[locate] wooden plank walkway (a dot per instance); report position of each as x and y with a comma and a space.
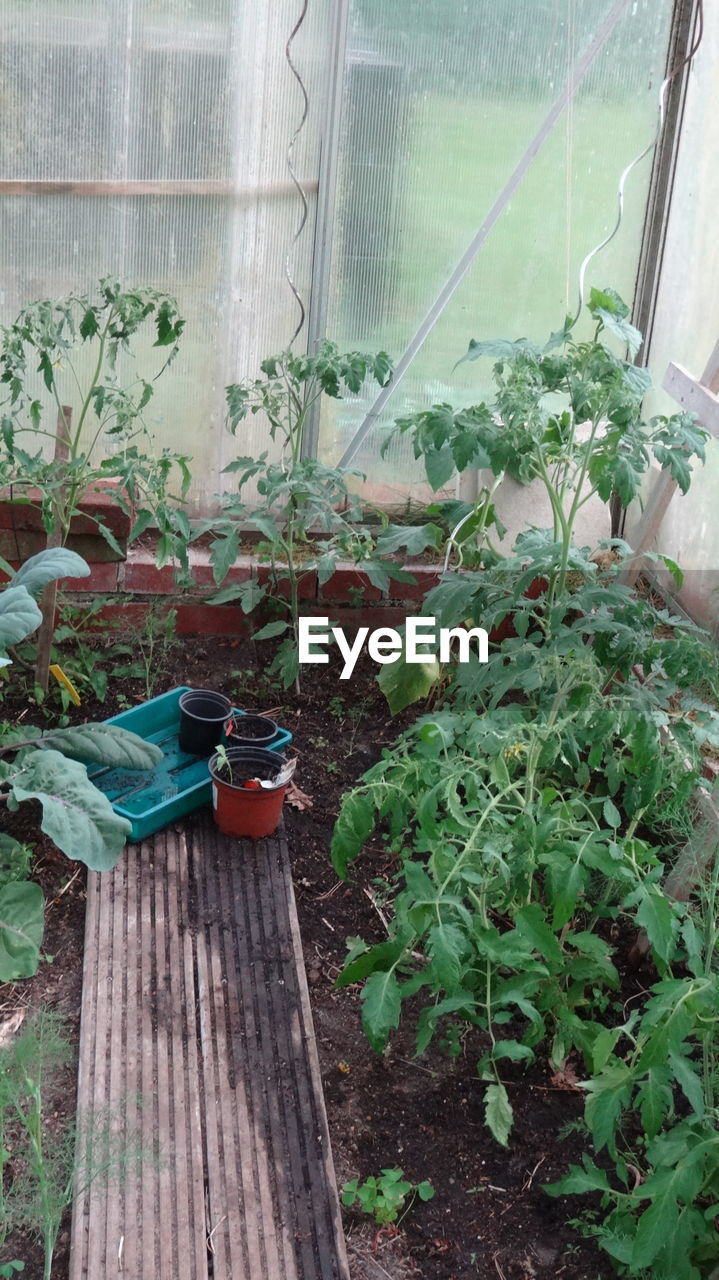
197, 1041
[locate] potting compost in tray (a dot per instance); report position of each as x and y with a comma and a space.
150, 799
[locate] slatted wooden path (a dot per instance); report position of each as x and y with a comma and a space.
197, 1040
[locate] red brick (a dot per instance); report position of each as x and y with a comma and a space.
26, 515
307, 584
345, 581
350, 619
103, 578
214, 620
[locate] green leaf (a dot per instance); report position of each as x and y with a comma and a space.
658, 1223
424, 1190
19, 616
689, 1082
656, 917
381, 1003
223, 555
612, 816
22, 921
48, 566
447, 945
654, 1098
498, 1114
579, 1181
271, 629
413, 538
403, 683
353, 827
77, 816
106, 744
531, 923
440, 466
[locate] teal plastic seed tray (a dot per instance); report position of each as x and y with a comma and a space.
152, 798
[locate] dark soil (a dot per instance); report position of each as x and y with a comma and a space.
489, 1217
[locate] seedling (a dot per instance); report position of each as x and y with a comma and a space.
383, 1198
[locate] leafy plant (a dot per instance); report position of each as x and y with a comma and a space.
67, 337
48, 765
152, 644
306, 515
52, 1164
383, 1197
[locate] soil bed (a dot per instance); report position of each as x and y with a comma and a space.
489, 1217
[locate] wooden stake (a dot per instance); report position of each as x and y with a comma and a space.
48, 600
695, 397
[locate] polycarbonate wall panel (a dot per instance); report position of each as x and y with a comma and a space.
197, 95
441, 101
686, 326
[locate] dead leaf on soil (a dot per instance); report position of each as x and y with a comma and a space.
298, 799
565, 1078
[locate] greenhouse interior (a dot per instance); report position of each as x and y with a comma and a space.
359, 606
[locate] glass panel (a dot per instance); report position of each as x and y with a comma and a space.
165, 92
686, 325
441, 101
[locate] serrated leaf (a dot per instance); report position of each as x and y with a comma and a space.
656, 917
498, 1114
78, 817
689, 1082
531, 923
48, 566
414, 539
353, 827
381, 1003
447, 945
19, 616
223, 554
654, 1098
106, 744
578, 1181
270, 630
22, 923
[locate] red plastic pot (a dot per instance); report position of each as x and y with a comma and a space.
238, 810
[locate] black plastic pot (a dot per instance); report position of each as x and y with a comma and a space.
203, 716
251, 731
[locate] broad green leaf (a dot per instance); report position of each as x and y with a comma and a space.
654, 1098
440, 467
48, 566
414, 539
353, 827
531, 923
669, 1188
612, 816
19, 616
381, 1002
22, 921
689, 1082
77, 816
513, 1050
106, 744
382, 956
270, 630
403, 683
578, 1181
223, 555
447, 945
656, 917
498, 1114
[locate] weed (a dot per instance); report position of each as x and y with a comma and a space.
383, 1197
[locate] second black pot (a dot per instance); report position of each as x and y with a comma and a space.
203, 716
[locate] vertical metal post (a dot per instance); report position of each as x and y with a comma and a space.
686, 13
326, 200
